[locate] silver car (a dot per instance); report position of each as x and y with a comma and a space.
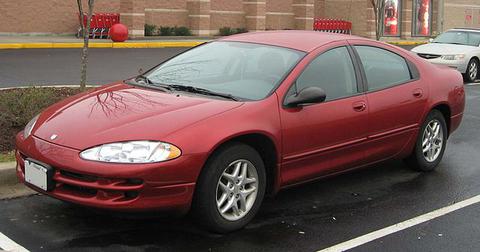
457, 48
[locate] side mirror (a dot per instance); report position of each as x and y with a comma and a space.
306, 96
430, 40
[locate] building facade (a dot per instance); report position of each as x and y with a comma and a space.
401, 19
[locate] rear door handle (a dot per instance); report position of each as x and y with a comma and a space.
359, 106
418, 93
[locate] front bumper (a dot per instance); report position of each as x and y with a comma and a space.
460, 65
159, 186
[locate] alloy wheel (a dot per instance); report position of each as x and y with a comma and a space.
432, 140
237, 190
473, 70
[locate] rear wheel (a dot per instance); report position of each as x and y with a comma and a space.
431, 143
230, 189
472, 70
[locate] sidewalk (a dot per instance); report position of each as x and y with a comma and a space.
33, 42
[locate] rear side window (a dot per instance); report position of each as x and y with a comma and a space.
333, 72
382, 67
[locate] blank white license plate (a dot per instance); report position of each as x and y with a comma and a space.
36, 175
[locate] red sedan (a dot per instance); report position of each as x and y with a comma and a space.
219, 126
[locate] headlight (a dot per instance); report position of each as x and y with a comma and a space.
28, 129
453, 57
138, 152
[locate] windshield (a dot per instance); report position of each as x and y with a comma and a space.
244, 70
459, 37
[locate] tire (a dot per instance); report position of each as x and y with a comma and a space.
209, 191
472, 71
429, 160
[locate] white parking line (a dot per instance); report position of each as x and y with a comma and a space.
473, 84
401, 226
8, 245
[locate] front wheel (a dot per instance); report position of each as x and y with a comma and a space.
431, 143
472, 71
230, 189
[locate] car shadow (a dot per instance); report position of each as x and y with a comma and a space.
320, 200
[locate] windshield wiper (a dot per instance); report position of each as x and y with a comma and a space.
203, 91
144, 81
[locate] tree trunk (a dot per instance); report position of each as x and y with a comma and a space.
80, 17
378, 12
86, 33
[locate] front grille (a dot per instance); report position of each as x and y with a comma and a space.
428, 56
80, 191
83, 185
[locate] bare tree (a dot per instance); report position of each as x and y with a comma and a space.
85, 30
378, 10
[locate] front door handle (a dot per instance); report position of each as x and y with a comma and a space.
359, 106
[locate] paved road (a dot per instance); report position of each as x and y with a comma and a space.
305, 218
62, 66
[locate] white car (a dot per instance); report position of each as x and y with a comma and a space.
457, 48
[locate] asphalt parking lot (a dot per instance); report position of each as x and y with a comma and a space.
62, 66
310, 217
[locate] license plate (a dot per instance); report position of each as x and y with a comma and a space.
36, 174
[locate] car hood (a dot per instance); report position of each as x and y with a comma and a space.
442, 49
121, 112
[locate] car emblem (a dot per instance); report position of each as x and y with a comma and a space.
53, 137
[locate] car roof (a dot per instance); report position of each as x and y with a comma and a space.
305, 41
466, 29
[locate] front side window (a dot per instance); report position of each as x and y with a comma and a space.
474, 39
244, 70
459, 38
333, 72
382, 67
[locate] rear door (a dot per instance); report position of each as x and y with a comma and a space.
396, 98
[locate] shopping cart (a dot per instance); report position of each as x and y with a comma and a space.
332, 25
100, 24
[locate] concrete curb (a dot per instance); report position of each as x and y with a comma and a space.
7, 175
53, 45
7, 165
50, 86
406, 43
9, 186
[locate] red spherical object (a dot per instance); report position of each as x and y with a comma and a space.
118, 33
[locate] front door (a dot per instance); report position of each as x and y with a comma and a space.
325, 137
